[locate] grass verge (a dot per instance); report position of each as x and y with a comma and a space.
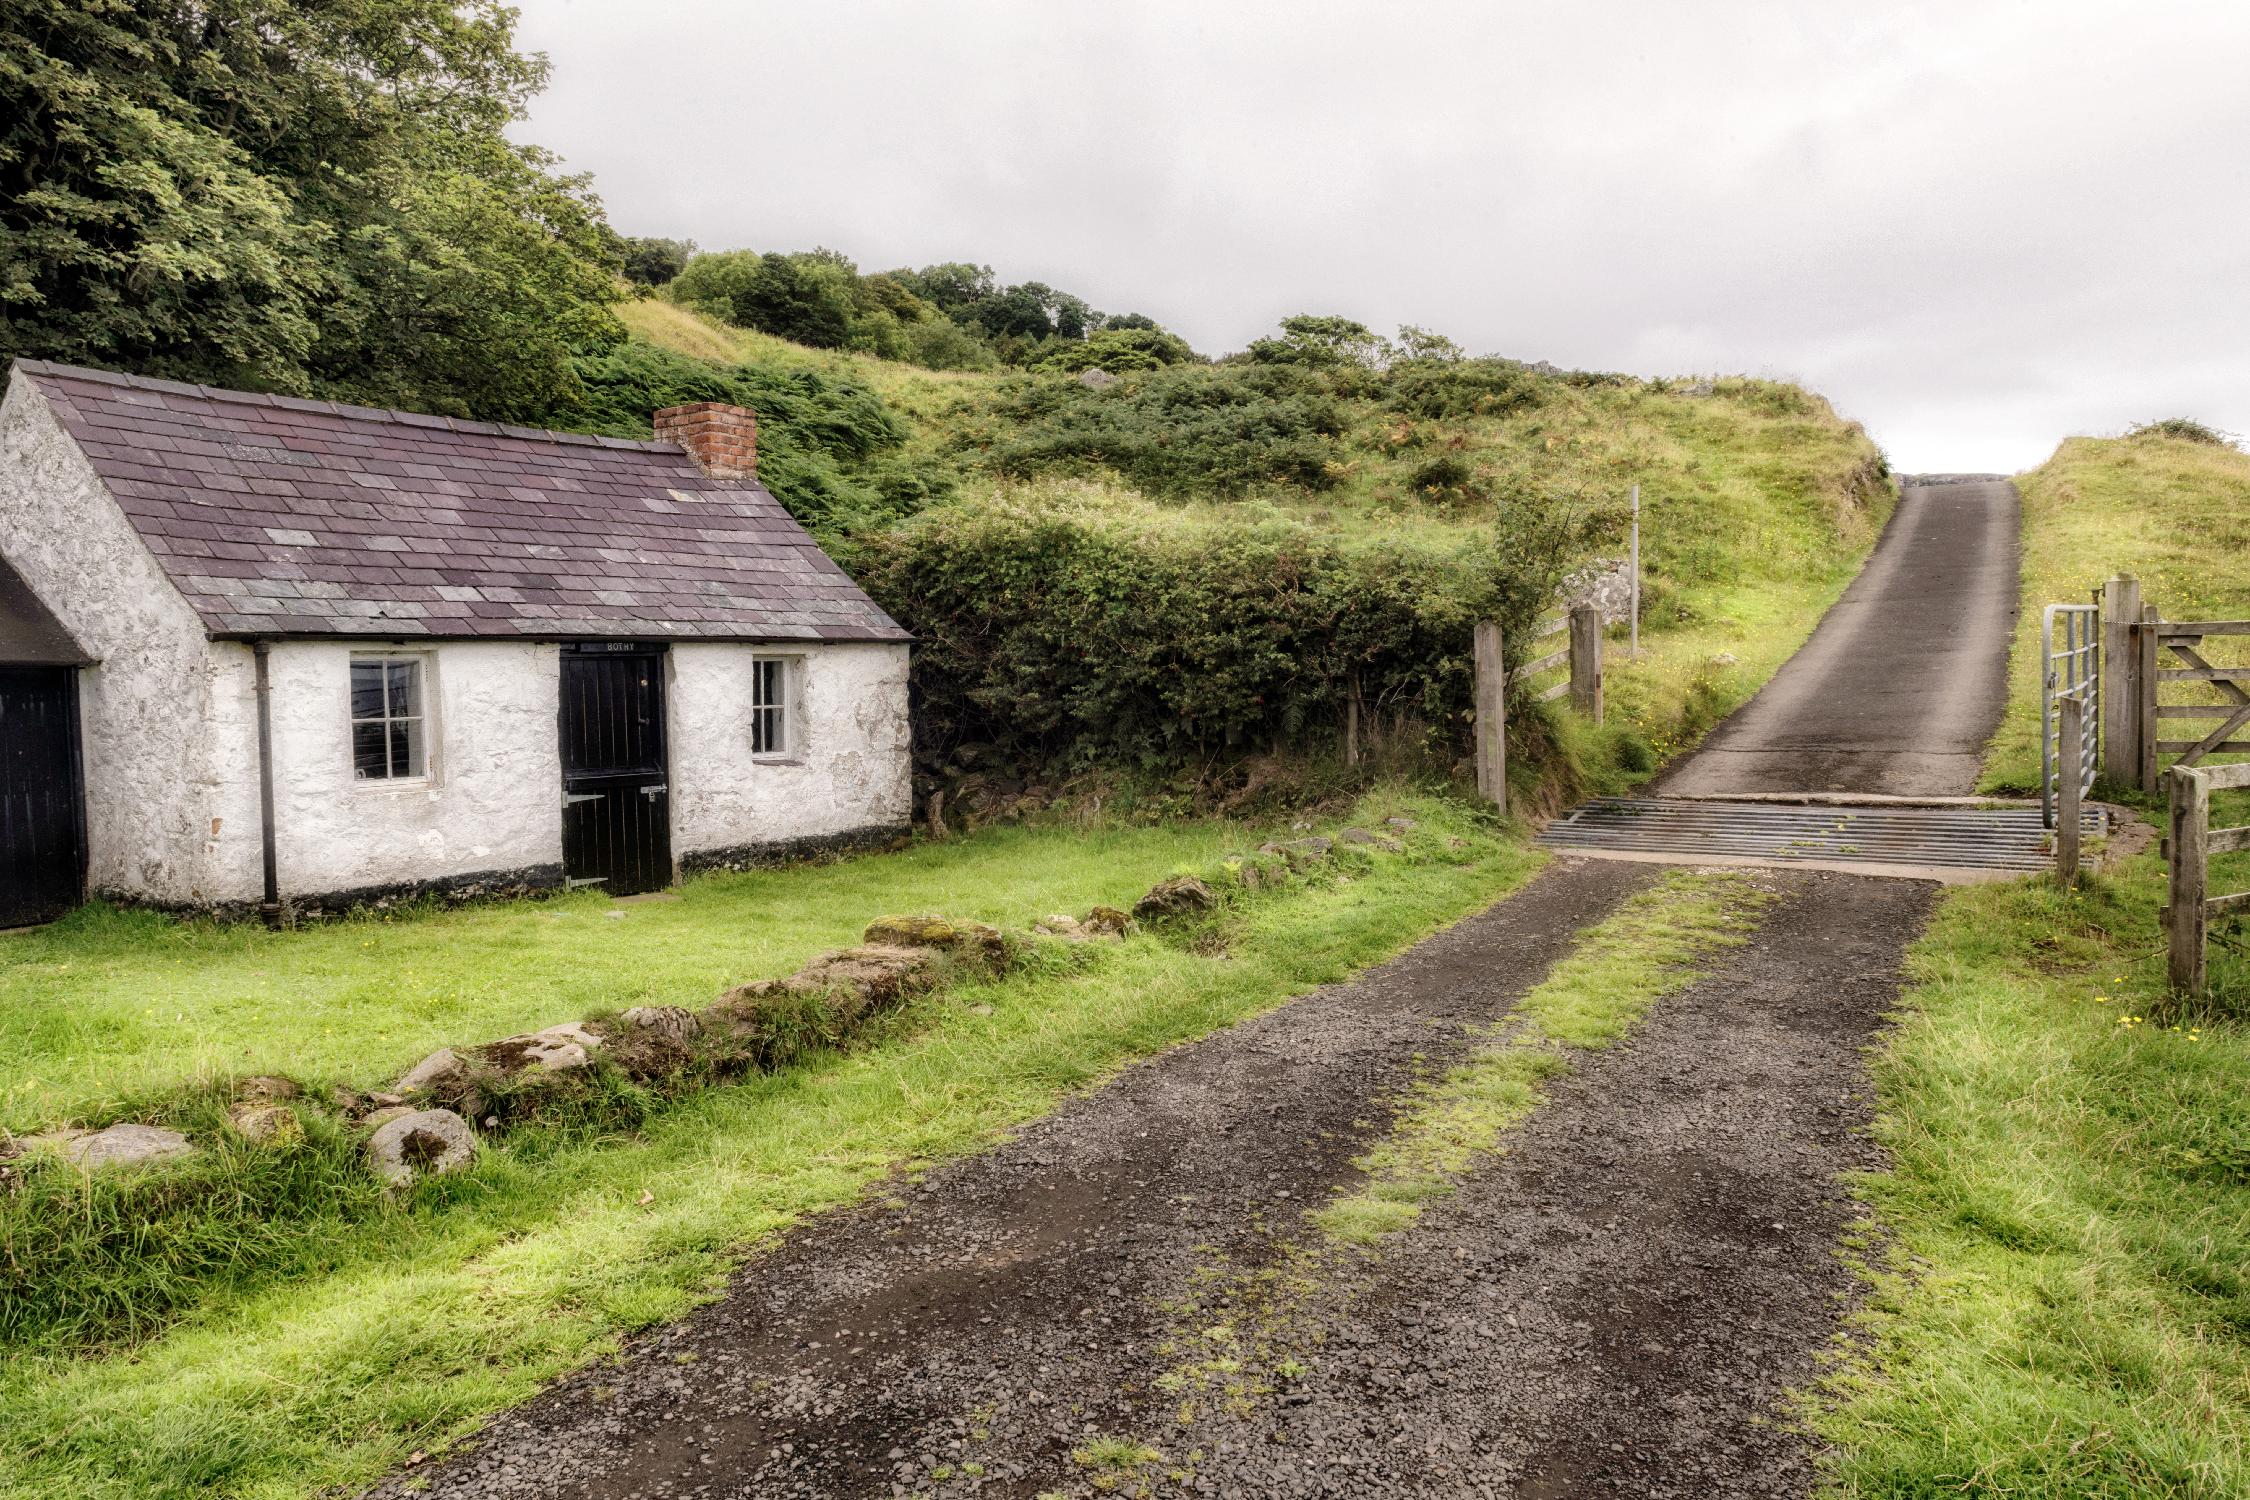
556, 1245
2060, 1304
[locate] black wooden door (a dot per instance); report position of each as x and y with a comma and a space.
42, 815
617, 816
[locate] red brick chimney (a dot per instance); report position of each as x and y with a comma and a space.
722, 439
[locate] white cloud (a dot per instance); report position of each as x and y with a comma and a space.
1977, 225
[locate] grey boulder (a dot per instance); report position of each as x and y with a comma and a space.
420, 1143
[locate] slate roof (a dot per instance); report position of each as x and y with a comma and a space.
286, 517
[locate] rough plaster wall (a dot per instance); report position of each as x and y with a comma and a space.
162, 823
492, 800
848, 767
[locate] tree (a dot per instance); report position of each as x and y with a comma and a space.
1322, 342
653, 262
294, 197
954, 288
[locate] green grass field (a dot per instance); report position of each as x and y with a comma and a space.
2061, 1282
109, 1008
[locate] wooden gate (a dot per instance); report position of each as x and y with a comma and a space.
42, 801
617, 815
2172, 652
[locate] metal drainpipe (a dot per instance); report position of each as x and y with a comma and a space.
272, 907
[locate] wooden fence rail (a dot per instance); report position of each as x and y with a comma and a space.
1582, 654
2190, 905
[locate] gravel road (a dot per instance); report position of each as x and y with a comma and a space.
1613, 1307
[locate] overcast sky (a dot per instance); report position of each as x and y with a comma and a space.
1977, 227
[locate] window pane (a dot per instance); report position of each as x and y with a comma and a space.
406, 688
370, 757
406, 747
367, 690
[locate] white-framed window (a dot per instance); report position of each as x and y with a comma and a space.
773, 731
390, 723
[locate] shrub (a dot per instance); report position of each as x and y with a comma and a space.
1460, 387
828, 449
1181, 432
1069, 638
2184, 429
1447, 481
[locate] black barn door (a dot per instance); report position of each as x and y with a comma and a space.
617, 818
42, 817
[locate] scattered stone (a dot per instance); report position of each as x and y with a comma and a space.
265, 1089
420, 1143
1725, 659
1253, 874
942, 933
578, 1032
1182, 895
126, 1145
1096, 378
555, 1050
1401, 824
266, 1124
441, 1070
1371, 840
1070, 929
676, 1022
1299, 851
387, 1114
1107, 921
859, 979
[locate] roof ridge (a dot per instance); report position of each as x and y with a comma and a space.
396, 415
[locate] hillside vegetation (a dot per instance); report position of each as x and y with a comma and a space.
2172, 510
1191, 566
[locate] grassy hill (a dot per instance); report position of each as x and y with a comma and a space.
1465, 476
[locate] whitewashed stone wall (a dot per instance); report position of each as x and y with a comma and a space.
847, 769
490, 804
165, 820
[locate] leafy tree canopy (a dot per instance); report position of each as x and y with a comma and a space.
653, 262
302, 197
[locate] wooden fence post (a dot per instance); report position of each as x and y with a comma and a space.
2144, 721
1351, 723
1492, 716
2184, 914
1586, 660
2121, 676
2071, 735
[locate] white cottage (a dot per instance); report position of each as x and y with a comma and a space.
257, 650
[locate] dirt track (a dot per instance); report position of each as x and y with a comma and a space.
1611, 1308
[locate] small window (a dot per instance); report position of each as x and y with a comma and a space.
389, 727
769, 706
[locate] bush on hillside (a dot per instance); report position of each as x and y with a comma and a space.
828, 449
2184, 429
1064, 638
1437, 388
1178, 433
1117, 350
